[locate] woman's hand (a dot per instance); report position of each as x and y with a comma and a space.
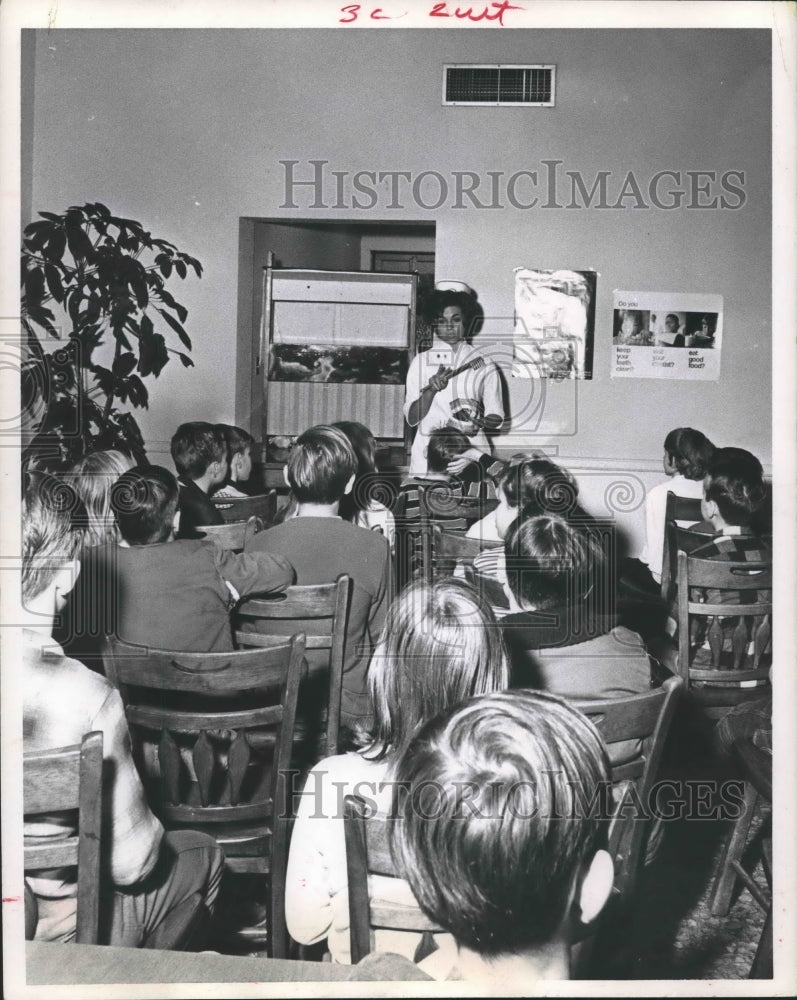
440, 379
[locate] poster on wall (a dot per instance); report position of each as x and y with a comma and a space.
666, 335
554, 323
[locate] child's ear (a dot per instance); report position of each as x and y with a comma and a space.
596, 887
176, 521
350, 485
66, 577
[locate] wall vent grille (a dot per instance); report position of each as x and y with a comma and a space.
500, 86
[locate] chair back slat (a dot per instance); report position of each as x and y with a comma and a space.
232, 536
320, 612
368, 852
203, 756
647, 718
238, 757
213, 735
682, 508
69, 779
194, 672
263, 506
169, 761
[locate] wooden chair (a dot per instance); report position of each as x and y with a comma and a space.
233, 536
646, 718
68, 779
441, 504
220, 726
733, 639
321, 613
450, 549
756, 766
676, 539
368, 852
263, 506
677, 509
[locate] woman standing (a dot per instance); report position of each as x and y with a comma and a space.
436, 396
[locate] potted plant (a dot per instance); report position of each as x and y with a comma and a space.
108, 276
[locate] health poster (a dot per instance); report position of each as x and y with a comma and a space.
666, 335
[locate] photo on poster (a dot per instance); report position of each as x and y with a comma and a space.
554, 323
666, 335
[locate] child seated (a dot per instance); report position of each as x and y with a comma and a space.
512, 887
559, 635
687, 453
158, 889
199, 453
734, 495
239, 450
439, 645
177, 594
525, 489
321, 546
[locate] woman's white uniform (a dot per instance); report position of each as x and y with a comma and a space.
482, 384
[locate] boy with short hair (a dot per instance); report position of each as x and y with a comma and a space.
178, 594
561, 635
239, 448
502, 805
199, 453
162, 886
321, 546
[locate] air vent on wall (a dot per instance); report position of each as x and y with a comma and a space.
508, 86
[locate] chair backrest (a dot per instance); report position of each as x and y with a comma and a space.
441, 504
221, 707
646, 718
450, 547
69, 778
233, 536
221, 727
682, 508
676, 538
725, 612
263, 506
321, 613
368, 852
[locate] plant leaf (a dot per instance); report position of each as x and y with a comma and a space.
54, 284
124, 364
178, 329
56, 245
187, 362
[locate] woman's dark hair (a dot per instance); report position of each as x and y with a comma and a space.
472, 312
690, 451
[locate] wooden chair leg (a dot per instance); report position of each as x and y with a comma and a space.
732, 852
762, 963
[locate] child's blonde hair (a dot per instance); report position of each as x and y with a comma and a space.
440, 644
92, 477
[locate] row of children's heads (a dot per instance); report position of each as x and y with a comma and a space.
733, 478
440, 658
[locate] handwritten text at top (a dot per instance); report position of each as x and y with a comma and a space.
488, 12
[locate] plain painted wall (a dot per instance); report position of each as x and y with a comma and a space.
184, 130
